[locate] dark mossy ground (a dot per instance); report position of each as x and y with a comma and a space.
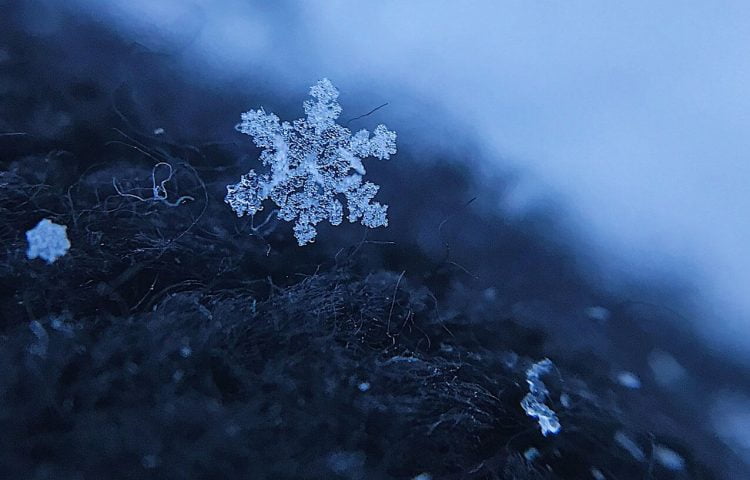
179, 342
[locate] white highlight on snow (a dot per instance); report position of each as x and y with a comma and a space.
629, 380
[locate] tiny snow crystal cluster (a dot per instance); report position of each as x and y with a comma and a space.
311, 162
533, 403
48, 241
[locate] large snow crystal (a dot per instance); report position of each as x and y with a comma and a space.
310, 163
533, 403
48, 241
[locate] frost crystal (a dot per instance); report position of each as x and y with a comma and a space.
48, 241
310, 163
533, 402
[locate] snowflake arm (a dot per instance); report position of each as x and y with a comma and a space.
383, 143
323, 112
246, 197
360, 204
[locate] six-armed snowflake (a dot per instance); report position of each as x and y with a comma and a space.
311, 162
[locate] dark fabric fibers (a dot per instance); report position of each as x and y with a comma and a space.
179, 342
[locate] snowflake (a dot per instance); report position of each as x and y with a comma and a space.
311, 163
48, 241
533, 402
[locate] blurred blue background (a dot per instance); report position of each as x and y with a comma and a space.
635, 115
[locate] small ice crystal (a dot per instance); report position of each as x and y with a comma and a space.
48, 241
533, 402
